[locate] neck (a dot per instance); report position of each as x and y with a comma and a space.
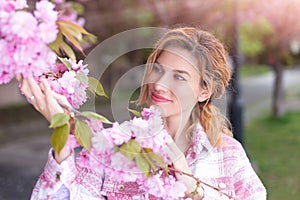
175, 125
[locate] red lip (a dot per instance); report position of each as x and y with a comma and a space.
158, 98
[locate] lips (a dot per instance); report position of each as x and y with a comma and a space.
158, 98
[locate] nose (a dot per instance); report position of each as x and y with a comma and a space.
162, 83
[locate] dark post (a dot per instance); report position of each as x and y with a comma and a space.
236, 104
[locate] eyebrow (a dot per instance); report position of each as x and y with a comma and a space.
177, 70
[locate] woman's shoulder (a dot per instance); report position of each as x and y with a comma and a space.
230, 142
232, 148
233, 153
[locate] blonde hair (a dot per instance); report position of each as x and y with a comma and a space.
214, 72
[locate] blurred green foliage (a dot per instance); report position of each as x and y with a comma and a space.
247, 70
252, 35
273, 143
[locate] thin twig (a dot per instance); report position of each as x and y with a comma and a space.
70, 109
202, 182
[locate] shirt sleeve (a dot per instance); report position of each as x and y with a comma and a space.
246, 182
68, 180
54, 177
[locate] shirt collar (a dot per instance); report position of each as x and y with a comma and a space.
200, 138
200, 145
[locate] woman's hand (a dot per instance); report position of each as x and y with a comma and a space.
42, 97
47, 102
180, 164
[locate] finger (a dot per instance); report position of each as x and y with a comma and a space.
45, 86
41, 85
37, 93
35, 88
19, 77
47, 90
25, 89
49, 96
27, 92
62, 100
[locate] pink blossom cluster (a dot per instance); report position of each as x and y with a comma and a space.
148, 131
72, 83
24, 37
68, 12
165, 187
71, 11
72, 142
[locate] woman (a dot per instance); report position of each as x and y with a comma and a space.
184, 74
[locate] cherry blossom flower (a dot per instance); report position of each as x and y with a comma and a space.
95, 125
24, 39
12, 5
118, 166
23, 25
102, 144
163, 186
20, 4
45, 12
68, 84
47, 32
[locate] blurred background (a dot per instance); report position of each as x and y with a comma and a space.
263, 101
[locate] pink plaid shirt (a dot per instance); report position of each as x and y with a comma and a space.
226, 167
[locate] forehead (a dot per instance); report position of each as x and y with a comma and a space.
178, 59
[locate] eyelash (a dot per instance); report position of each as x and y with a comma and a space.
158, 69
179, 77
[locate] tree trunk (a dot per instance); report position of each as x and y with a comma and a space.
278, 93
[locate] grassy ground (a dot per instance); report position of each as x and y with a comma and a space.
274, 144
253, 70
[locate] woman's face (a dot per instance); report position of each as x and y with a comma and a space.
174, 83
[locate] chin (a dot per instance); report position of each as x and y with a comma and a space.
160, 108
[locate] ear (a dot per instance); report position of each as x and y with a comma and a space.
204, 94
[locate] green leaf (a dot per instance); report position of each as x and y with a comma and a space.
65, 62
68, 50
143, 165
96, 87
95, 116
91, 39
60, 137
69, 24
56, 44
116, 149
149, 160
59, 119
155, 157
74, 32
77, 7
131, 149
67, 32
83, 134
82, 78
135, 112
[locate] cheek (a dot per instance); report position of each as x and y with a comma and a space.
152, 77
184, 93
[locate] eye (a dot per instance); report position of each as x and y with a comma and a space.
157, 68
179, 77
